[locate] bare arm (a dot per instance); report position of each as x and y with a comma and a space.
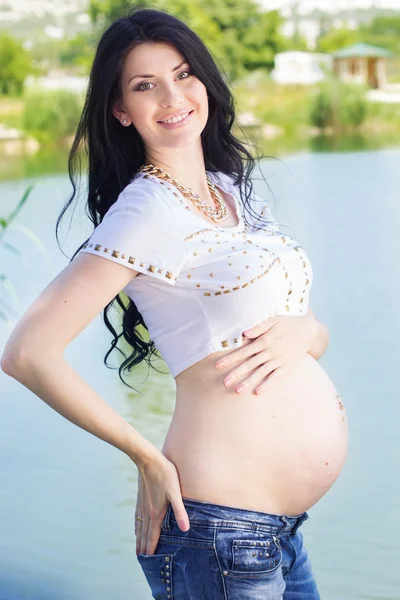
34, 352
322, 339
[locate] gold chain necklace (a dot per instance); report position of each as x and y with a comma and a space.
220, 213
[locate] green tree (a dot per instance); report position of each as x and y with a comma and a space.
78, 52
299, 43
338, 104
51, 114
337, 38
383, 31
241, 36
15, 65
262, 40
106, 11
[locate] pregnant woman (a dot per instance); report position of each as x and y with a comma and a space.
259, 433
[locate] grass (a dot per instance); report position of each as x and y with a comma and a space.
11, 109
288, 106
282, 106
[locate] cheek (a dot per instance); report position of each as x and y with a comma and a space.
140, 110
199, 91
198, 96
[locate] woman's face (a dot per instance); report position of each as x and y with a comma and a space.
169, 90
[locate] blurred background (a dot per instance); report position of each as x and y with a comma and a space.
316, 85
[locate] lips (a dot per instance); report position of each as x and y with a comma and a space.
183, 112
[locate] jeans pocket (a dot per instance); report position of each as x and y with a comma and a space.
158, 570
249, 556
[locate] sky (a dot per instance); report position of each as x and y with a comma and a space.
330, 5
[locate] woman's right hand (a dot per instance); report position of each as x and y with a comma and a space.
158, 484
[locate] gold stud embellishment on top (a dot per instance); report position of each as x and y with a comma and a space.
218, 214
131, 260
189, 237
243, 285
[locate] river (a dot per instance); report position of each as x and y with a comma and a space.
67, 499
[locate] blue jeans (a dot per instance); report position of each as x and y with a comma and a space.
230, 554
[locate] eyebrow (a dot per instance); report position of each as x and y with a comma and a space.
174, 69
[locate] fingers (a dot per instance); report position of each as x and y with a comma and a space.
267, 370
143, 534
263, 327
158, 485
233, 357
138, 533
180, 513
139, 512
243, 369
153, 535
148, 534
262, 343
266, 382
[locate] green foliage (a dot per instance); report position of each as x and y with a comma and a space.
106, 11
15, 65
262, 39
241, 36
337, 38
298, 43
78, 52
6, 284
51, 114
383, 31
321, 110
284, 106
339, 105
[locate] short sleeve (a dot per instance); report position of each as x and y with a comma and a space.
139, 231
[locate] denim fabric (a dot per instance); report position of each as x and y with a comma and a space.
230, 554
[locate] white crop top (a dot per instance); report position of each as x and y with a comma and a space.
200, 285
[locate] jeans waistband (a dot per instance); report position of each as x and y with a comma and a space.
216, 515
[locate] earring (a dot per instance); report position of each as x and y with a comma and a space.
124, 122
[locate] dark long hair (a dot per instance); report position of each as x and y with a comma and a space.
114, 153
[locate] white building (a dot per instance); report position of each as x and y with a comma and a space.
304, 68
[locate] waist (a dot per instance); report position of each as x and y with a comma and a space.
219, 516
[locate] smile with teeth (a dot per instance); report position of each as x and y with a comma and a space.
177, 119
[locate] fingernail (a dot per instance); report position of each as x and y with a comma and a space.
220, 364
259, 390
247, 332
228, 381
240, 388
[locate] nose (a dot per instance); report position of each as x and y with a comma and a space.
171, 97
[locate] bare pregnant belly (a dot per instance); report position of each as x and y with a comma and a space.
278, 452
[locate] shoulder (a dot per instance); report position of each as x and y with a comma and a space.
227, 181
139, 231
144, 199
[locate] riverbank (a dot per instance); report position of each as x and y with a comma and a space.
276, 118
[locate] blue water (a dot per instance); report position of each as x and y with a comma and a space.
67, 499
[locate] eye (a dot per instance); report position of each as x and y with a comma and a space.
139, 88
187, 72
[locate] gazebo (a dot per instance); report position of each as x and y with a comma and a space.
362, 63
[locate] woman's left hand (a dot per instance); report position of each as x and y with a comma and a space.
279, 342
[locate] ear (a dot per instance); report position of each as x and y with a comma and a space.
120, 114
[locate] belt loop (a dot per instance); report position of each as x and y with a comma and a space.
297, 524
286, 525
166, 526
